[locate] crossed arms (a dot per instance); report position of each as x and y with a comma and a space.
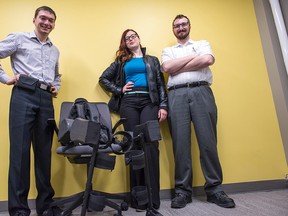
187, 63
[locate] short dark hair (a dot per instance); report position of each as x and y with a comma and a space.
45, 8
180, 16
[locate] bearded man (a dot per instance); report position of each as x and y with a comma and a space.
190, 99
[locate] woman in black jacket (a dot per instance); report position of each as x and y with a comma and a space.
135, 80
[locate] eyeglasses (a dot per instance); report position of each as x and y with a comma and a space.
183, 24
132, 36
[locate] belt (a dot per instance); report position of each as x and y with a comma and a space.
44, 86
188, 85
136, 92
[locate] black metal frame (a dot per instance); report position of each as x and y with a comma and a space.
146, 134
89, 199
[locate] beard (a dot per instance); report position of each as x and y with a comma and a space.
182, 34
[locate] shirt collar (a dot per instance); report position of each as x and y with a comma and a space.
33, 35
189, 42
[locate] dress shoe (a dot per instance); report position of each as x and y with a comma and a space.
180, 200
20, 213
221, 199
145, 207
156, 207
140, 210
53, 211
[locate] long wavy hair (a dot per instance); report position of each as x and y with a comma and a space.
123, 54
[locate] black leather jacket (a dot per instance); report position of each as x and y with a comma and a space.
113, 80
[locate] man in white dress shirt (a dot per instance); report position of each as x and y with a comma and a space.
190, 99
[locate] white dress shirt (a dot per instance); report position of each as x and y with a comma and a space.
201, 47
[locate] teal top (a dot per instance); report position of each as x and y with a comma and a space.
135, 71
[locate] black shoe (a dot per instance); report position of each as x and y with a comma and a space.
140, 210
144, 208
20, 213
156, 207
221, 199
53, 211
180, 200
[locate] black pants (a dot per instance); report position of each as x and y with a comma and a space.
29, 111
138, 109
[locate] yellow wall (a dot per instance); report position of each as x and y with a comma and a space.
88, 34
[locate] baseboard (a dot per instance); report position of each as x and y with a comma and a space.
244, 187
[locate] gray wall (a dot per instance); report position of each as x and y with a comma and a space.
284, 8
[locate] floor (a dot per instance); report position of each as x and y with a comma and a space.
264, 203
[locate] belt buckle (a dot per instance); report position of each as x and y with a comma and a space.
43, 86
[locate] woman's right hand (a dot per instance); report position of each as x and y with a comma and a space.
128, 87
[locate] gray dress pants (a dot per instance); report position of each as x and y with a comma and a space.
196, 105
